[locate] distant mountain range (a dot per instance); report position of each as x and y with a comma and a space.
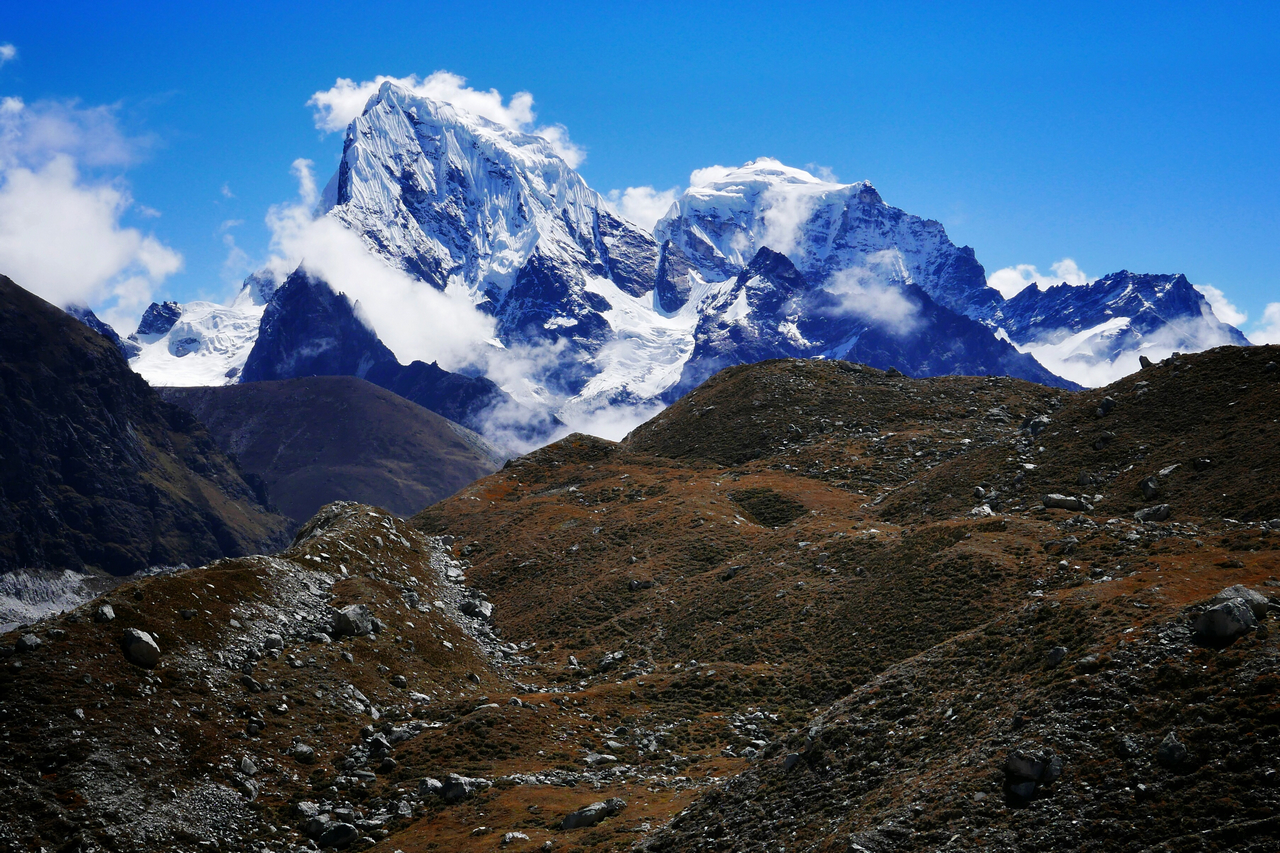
754, 262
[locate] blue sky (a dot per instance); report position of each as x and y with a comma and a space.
1142, 137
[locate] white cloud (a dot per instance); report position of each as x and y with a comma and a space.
1222, 307
411, 317
1012, 280
873, 293
710, 175
61, 235
7, 53
1268, 330
336, 107
32, 135
226, 191
643, 205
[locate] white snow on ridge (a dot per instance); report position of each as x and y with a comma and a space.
208, 345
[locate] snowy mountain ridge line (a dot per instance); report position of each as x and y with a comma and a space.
493, 256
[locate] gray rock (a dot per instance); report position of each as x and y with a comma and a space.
1028, 772
514, 836
28, 643
247, 767
1057, 655
319, 637
399, 681
303, 754
139, 648
593, 814
1171, 752
979, 493
307, 809
477, 609
104, 613
338, 835
457, 788
1225, 621
187, 613
1159, 512
315, 825
637, 585
610, 660
1105, 407
1036, 425
1143, 362
273, 641
1257, 601
354, 620
429, 787
1150, 487
1056, 501
792, 759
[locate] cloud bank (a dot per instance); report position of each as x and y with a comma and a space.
336, 107
1010, 281
61, 235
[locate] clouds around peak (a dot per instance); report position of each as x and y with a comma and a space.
1010, 281
643, 205
337, 106
62, 201
1222, 307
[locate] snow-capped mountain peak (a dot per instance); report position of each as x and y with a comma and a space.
448, 196
824, 227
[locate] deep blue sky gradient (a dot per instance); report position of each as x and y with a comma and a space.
1139, 136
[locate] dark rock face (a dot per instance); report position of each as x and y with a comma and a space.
159, 318
128, 348
96, 471
308, 330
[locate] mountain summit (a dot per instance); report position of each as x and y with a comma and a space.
583, 312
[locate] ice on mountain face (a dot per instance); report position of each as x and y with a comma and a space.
206, 344
444, 194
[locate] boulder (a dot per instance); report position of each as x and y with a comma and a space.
1143, 362
477, 608
1026, 773
593, 814
273, 641
1056, 501
428, 787
1226, 621
1159, 512
104, 613
1150, 487
139, 648
1171, 752
457, 788
1105, 407
1057, 655
354, 620
303, 754
28, 643
338, 835
1257, 601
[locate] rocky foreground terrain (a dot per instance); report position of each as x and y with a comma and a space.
811, 606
